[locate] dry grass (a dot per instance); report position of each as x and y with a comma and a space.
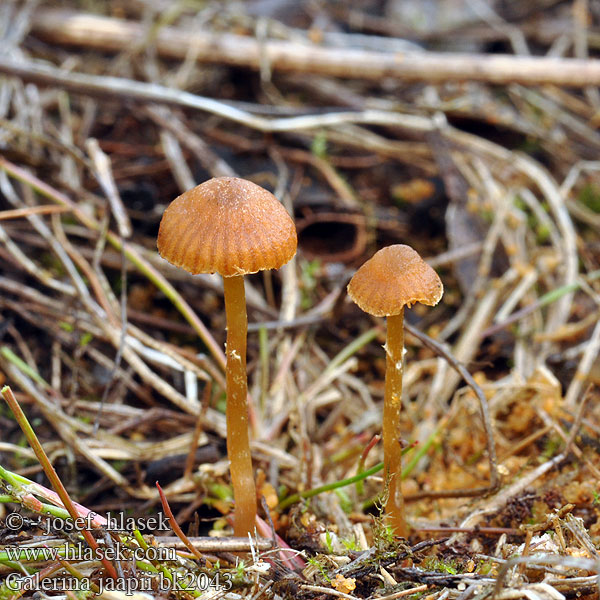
116, 357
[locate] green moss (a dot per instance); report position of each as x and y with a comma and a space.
542, 233
221, 403
553, 443
329, 542
590, 196
319, 145
308, 277
220, 491
485, 567
85, 339
351, 544
345, 502
318, 564
442, 566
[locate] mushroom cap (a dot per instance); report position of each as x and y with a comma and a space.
227, 225
393, 277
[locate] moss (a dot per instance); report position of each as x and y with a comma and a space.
443, 566
590, 196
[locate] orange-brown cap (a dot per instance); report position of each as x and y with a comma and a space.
393, 277
229, 226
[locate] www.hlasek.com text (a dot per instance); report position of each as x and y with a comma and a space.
80, 552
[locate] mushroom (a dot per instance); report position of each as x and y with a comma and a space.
232, 227
392, 278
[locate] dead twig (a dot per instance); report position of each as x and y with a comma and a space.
440, 350
110, 34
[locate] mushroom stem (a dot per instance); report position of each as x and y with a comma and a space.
392, 406
238, 440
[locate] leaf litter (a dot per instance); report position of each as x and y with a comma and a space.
116, 358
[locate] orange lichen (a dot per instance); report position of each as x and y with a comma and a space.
342, 584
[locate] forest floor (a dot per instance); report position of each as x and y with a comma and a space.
467, 130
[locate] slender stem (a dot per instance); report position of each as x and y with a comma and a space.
392, 406
52, 475
328, 487
360, 487
352, 348
238, 439
175, 525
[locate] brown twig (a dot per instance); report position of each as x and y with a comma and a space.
191, 457
485, 416
31, 210
111, 34
175, 526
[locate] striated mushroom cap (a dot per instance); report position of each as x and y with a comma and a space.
227, 225
394, 277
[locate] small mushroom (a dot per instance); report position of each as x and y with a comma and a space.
394, 277
232, 227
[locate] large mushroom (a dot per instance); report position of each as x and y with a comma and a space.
233, 227
394, 277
